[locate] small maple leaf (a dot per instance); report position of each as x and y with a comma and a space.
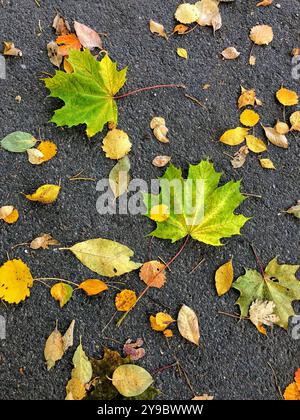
278, 285
88, 92
206, 212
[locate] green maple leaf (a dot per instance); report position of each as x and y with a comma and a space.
211, 217
88, 92
279, 285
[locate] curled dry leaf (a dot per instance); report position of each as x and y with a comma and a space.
255, 144
35, 157
182, 52
125, 300
275, 138
54, 56
187, 13
68, 337
15, 281
9, 214
264, 3
234, 136
262, 313
267, 163
168, 333
224, 278
230, 53
240, 157
295, 121
46, 194
60, 25
153, 274
88, 38
157, 28
180, 29
161, 161
295, 210
134, 349
246, 98
160, 321
119, 177
261, 34
282, 127
93, 287
131, 380
287, 97
209, 14
160, 131
10, 49
188, 325
44, 152
116, 144
54, 348
43, 241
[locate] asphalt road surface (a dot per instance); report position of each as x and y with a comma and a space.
234, 361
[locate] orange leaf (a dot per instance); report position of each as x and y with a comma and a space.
153, 274
66, 43
48, 149
297, 376
292, 392
125, 300
12, 217
93, 287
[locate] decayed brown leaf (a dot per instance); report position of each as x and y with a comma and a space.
68, 337
240, 157
261, 34
203, 397
230, 53
275, 138
246, 98
53, 54
134, 349
161, 161
43, 241
180, 29
10, 49
88, 37
252, 60
188, 325
160, 131
157, 28
54, 348
153, 274
60, 25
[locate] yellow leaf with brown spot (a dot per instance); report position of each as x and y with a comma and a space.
66, 43
93, 287
15, 281
159, 213
295, 121
116, 144
287, 97
46, 194
234, 136
224, 278
125, 300
255, 144
153, 274
267, 163
249, 118
262, 34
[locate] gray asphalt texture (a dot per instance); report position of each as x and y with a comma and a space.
234, 361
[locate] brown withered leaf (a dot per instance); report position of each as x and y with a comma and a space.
134, 349
43, 241
180, 29
88, 37
230, 53
60, 25
188, 325
265, 3
275, 138
10, 49
161, 161
240, 157
203, 397
53, 54
157, 28
262, 34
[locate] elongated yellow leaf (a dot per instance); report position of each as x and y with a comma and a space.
188, 325
54, 348
46, 194
224, 278
234, 136
255, 144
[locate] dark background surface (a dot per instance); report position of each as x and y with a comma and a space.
233, 359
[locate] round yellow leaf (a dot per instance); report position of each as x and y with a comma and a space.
15, 281
116, 144
168, 333
12, 217
295, 121
61, 292
262, 34
255, 144
159, 213
187, 13
125, 300
131, 380
46, 194
287, 97
234, 136
93, 286
249, 118
48, 149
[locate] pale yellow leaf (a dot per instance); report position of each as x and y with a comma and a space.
262, 34
188, 325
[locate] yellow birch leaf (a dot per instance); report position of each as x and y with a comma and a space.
234, 136
131, 380
182, 52
76, 389
160, 321
187, 13
282, 127
46, 194
61, 292
5, 211
116, 144
287, 97
48, 149
188, 325
125, 300
168, 333
15, 281
267, 163
255, 144
93, 286
249, 118
262, 34
224, 278
295, 121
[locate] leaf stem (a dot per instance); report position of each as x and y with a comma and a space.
124, 95
55, 279
119, 323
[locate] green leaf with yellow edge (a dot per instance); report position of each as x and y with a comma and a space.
207, 211
88, 92
15, 281
61, 292
131, 380
105, 257
279, 285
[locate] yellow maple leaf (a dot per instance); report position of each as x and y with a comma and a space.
46, 194
15, 281
125, 300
